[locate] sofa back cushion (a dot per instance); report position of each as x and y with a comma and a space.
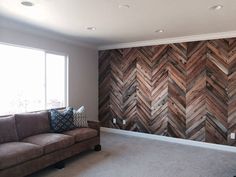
8, 129
32, 124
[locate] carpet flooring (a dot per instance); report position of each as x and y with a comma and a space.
126, 156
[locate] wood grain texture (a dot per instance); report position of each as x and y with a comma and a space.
195, 92
184, 90
159, 92
231, 90
216, 91
177, 57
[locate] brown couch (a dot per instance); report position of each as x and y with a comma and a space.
27, 143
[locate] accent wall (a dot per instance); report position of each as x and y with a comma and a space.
183, 90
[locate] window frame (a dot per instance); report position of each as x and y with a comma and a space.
66, 74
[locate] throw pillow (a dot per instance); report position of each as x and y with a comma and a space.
80, 119
62, 121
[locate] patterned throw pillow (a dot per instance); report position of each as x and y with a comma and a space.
80, 119
62, 121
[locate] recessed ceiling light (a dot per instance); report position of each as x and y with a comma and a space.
91, 28
159, 31
124, 6
27, 3
216, 7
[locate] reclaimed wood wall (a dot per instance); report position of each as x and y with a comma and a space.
184, 90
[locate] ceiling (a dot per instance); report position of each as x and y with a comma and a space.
116, 25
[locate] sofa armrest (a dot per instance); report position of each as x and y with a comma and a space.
94, 125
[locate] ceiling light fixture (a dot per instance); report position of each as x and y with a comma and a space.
216, 7
159, 31
91, 28
124, 6
27, 3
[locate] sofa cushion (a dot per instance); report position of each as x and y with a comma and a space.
8, 129
32, 124
62, 121
50, 141
81, 134
14, 153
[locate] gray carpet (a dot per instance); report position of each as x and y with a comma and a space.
124, 156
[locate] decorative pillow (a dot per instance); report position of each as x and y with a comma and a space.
80, 119
62, 121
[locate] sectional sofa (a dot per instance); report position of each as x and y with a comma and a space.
27, 143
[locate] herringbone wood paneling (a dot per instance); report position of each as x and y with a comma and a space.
177, 57
116, 85
185, 90
195, 97
159, 92
130, 90
216, 94
104, 88
231, 90
144, 87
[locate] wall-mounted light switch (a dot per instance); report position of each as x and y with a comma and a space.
124, 122
114, 120
232, 136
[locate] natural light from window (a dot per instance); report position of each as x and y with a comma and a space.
31, 80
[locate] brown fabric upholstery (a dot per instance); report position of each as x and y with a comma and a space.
32, 124
51, 141
36, 164
14, 153
8, 129
94, 125
81, 134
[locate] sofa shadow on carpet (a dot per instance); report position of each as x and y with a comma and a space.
76, 164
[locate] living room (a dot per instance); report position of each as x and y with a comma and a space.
117, 88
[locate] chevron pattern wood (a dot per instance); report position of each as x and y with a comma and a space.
116, 86
184, 90
159, 92
231, 90
216, 94
144, 87
104, 88
130, 90
195, 97
177, 57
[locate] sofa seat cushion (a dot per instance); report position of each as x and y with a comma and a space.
81, 134
50, 141
13, 153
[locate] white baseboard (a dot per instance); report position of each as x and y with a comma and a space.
171, 140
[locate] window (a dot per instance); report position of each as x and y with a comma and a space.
31, 80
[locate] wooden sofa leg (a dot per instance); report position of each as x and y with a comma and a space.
97, 147
60, 165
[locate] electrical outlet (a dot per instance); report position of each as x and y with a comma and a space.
232, 136
124, 122
114, 120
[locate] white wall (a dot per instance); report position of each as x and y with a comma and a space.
83, 66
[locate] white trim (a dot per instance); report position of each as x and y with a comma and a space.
67, 80
45, 80
200, 37
171, 140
